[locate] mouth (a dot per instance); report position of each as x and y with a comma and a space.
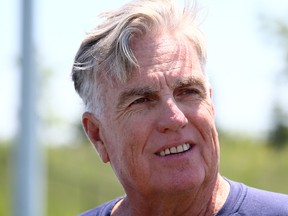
175, 150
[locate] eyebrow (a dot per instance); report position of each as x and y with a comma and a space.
190, 81
130, 93
148, 91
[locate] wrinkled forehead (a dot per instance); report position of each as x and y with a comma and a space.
164, 61
160, 53
175, 58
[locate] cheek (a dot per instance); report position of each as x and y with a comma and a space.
129, 163
201, 115
207, 126
130, 144
125, 144
204, 121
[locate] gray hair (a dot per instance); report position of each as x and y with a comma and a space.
106, 53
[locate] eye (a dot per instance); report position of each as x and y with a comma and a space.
189, 91
140, 101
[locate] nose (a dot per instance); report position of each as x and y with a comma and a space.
171, 117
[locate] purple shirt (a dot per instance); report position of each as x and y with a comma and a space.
245, 200
242, 200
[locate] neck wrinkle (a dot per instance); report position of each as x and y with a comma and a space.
187, 204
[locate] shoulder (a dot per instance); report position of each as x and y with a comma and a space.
266, 202
103, 209
245, 200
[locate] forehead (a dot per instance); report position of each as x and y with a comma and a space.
164, 53
163, 61
174, 59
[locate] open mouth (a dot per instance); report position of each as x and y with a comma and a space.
175, 150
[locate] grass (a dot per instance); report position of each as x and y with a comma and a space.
77, 180
255, 163
5, 181
80, 180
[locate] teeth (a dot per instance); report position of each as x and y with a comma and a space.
173, 150
186, 147
167, 152
181, 148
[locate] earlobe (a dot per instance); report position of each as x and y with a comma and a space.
92, 128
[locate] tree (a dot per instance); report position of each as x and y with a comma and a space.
278, 136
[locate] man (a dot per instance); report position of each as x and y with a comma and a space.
150, 115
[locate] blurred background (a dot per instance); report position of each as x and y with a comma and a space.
247, 65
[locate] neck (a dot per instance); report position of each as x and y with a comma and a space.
203, 201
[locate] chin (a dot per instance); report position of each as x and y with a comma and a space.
182, 184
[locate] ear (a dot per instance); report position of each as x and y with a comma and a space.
92, 128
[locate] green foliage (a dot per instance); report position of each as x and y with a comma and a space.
278, 136
5, 180
254, 163
77, 180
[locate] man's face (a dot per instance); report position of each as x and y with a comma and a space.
158, 129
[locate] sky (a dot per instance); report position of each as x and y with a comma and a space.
243, 61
